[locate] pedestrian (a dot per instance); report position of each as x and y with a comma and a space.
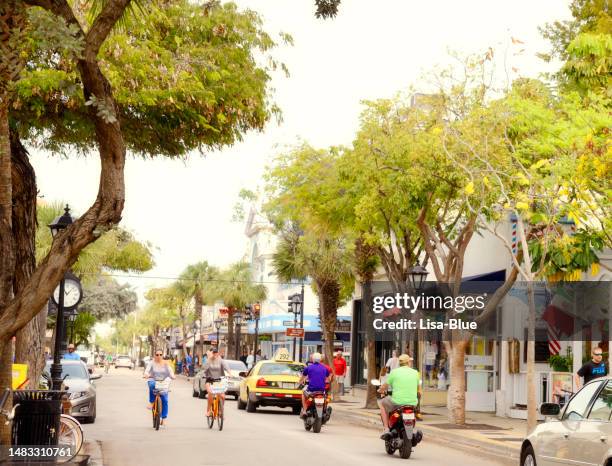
243, 357
71, 354
593, 369
340, 370
258, 356
189, 363
250, 360
392, 362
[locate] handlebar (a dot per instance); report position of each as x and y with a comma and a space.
5, 396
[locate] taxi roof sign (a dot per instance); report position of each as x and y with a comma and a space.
282, 355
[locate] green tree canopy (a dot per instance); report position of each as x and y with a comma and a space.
185, 76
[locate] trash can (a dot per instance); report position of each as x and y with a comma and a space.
37, 418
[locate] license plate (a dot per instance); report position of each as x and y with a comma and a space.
319, 401
408, 416
290, 385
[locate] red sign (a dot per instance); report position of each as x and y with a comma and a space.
295, 332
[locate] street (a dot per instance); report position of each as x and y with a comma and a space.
268, 437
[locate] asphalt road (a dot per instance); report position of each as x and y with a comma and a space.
269, 437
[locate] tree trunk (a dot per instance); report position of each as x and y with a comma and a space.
532, 415
329, 296
456, 392
371, 345
230, 349
30, 344
197, 350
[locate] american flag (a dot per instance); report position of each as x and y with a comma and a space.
554, 347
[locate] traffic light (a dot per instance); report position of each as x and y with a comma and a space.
290, 304
256, 310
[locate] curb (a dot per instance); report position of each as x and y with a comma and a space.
93, 448
436, 434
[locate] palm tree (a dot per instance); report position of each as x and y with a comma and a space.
195, 281
236, 289
327, 260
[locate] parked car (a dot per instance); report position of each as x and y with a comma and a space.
123, 361
578, 434
233, 382
78, 382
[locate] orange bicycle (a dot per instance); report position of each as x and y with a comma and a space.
218, 389
160, 387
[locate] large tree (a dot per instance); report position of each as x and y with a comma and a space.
181, 77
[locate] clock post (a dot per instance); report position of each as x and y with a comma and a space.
59, 224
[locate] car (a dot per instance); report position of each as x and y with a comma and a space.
233, 382
123, 361
79, 384
272, 382
577, 434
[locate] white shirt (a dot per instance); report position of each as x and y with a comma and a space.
392, 363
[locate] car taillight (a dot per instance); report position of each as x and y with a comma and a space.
261, 383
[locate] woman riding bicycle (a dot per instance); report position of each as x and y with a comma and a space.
158, 370
214, 369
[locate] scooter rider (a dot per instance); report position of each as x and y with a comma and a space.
318, 375
405, 382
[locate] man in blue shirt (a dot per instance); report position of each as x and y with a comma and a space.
71, 354
317, 375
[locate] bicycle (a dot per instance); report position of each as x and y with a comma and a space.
161, 386
70, 430
218, 388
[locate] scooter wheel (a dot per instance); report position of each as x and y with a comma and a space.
389, 448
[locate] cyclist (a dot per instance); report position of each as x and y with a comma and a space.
107, 362
158, 370
214, 369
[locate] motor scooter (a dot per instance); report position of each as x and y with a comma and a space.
403, 435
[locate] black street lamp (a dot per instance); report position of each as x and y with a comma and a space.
417, 276
218, 323
238, 322
59, 223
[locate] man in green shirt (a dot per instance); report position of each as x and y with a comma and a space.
406, 385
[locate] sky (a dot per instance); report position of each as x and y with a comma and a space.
371, 50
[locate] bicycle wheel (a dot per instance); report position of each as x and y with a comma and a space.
157, 407
211, 419
70, 435
220, 414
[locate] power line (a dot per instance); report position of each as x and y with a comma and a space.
217, 280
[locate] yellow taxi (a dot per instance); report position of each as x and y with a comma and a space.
272, 383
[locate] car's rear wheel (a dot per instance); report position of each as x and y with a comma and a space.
528, 457
250, 406
196, 394
296, 409
241, 404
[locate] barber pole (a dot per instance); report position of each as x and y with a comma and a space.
554, 347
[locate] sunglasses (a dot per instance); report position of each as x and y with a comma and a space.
158, 354
597, 354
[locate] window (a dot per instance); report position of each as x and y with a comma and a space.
602, 408
578, 405
281, 369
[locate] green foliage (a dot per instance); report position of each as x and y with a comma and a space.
107, 299
560, 363
116, 249
81, 328
184, 77
235, 287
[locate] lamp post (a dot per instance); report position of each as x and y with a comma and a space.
301, 304
218, 323
417, 276
59, 223
238, 322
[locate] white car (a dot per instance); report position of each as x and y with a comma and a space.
123, 361
578, 434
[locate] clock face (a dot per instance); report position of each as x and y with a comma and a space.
72, 293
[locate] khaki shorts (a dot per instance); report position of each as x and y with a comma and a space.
388, 404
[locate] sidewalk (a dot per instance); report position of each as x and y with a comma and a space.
484, 431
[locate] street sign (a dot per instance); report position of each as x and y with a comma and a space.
288, 323
295, 332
